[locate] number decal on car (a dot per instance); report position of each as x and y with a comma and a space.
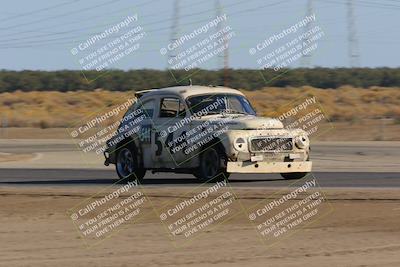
145, 134
158, 144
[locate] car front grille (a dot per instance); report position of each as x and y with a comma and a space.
271, 144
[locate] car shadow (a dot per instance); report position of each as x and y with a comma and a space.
149, 181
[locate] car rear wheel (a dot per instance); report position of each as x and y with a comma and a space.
211, 166
294, 175
127, 165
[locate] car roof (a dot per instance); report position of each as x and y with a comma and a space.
186, 91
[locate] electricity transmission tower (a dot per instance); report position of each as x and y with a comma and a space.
352, 35
306, 59
174, 31
223, 59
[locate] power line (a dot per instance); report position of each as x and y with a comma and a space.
39, 10
365, 4
73, 22
153, 30
145, 24
60, 15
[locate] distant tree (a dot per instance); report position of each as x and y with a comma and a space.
118, 80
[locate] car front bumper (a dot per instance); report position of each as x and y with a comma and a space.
268, 167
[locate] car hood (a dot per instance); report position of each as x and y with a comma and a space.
241, 122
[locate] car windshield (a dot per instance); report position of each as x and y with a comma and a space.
220, 103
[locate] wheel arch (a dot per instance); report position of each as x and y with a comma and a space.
217, 143
132, 143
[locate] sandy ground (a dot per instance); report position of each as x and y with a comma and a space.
353, 227
361, 229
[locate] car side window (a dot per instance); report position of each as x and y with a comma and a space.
147, 108
171, 107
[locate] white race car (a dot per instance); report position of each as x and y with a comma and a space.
204, 131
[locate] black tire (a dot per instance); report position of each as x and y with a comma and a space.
127, 165
294, 175
212, 165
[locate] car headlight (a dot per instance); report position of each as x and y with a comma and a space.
302, 141
240, 144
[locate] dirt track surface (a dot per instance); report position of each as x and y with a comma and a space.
362, 229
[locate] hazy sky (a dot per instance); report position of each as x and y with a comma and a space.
40, 34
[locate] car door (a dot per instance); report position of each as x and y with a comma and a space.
147, 107
169, 136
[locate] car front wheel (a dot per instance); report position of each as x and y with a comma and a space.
211, 166
127, 165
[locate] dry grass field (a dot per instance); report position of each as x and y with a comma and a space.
355, 110
362, 229
343, 104
54, 109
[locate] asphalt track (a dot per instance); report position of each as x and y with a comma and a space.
344, 164
71, 177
